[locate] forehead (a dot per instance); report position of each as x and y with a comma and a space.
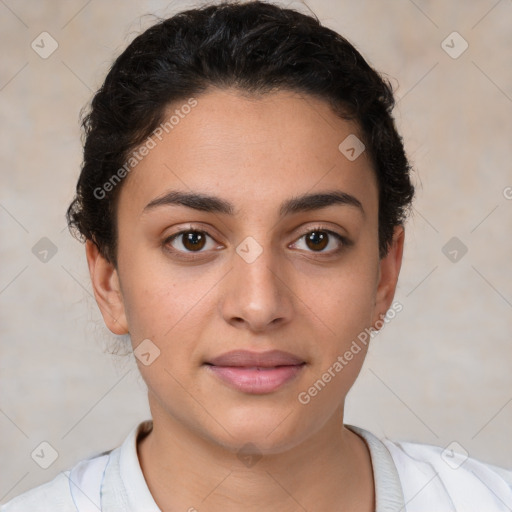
252, 150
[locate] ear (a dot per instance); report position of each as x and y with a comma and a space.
389, 269
107, 291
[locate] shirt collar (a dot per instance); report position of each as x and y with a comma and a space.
124, 483
389, 496
124, 486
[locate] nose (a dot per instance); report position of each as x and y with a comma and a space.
257, 293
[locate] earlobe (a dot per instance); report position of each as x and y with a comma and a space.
389, 270
107, 291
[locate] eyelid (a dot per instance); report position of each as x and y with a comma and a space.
320, 227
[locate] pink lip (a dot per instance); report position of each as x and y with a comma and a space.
256, 372
263, 359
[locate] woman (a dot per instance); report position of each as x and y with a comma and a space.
242, 200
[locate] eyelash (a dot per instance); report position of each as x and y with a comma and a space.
343, 240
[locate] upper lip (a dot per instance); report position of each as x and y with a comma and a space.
251, 359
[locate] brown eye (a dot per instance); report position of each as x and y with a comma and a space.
193, 240
316, 240
188, 241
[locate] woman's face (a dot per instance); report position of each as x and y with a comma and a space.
253, 271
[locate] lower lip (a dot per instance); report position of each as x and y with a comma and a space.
256, 381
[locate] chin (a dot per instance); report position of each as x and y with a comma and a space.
271, 433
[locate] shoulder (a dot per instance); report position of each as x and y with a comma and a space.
54, 495
428, 471
69, 491
88, 484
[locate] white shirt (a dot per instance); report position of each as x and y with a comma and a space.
409, 477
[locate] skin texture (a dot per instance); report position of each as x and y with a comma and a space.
254, 152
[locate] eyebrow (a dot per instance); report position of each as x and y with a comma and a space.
212, 204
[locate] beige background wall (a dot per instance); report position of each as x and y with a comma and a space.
439, 372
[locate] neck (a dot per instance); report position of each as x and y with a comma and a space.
331, 470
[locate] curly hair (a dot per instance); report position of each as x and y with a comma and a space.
255, 47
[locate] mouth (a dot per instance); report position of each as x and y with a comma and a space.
255, 372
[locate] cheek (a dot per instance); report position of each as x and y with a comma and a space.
166, 303
337, 323
340, 312
343, 299
353, 299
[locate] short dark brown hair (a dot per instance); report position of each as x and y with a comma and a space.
256, 47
